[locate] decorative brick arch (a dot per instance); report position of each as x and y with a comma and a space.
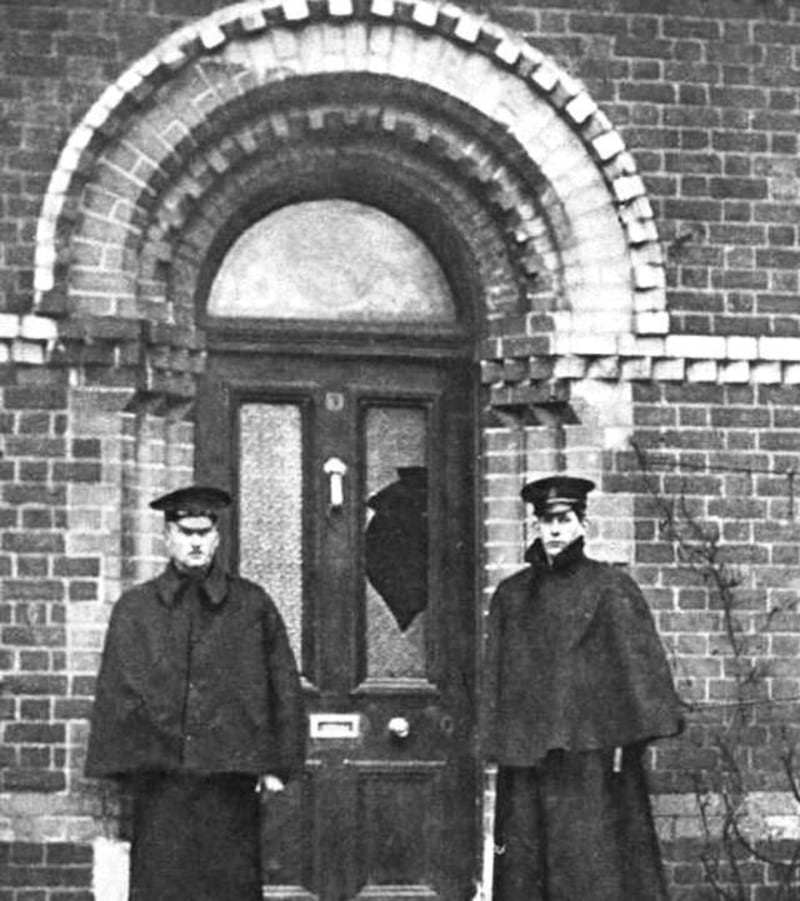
501, 162
136, 173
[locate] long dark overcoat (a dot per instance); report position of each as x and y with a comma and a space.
574, 669
198, 695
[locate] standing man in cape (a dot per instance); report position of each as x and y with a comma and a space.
198, 709
577, 683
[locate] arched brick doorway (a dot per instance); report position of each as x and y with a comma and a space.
501, 165
340, 412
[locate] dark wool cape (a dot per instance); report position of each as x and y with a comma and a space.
197, 678
198, 694
574, 669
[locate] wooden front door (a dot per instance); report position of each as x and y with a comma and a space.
354, 487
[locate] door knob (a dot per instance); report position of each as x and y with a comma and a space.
399, 727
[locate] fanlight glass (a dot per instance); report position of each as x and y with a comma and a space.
333, 260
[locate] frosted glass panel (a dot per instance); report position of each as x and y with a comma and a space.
334, 260
271, 508
396, 541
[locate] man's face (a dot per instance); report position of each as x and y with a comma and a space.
192, 542
559, 528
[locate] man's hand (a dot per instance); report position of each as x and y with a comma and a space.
270, 785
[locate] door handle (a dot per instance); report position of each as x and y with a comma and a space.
334, 469
399, 727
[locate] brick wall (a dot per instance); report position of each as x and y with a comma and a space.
704, 95
37, 455
56, 871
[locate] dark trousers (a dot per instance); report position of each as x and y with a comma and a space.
572, 829
195, 839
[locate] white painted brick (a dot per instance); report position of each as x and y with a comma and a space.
110, 99
625, 163
652, 301
735, 372
636, 346
97, 115
766, 373
402, 57
742, 347
546, 77
603, 368
608, 145
468, 29
147, 65
699, 347
583, 343
27, 352
641, 207
787, 349
38, 328
791, 373
652, 323
333, 37
628, 187
110, 869
507, 52
253, 20
60, 180
380, 37
43, 282
569, 367
295, 10
130, 80
669, 370
425, 13
636, 368
357, 45
340, 8
532, 55
285, 43
488, 96
648, 302
646, 277
641, 231
9, 325
171, 55
701, 371
580, 187
212, 36
605, 320
648, 254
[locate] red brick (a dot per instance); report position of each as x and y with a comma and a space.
34, 398
19, 684
64, 854
33, 542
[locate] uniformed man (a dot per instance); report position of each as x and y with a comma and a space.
198, 708
577, 684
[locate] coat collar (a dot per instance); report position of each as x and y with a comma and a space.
214, 586
573, 602
569, 558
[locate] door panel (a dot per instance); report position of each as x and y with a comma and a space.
354, 488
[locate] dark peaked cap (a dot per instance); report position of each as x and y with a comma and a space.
557, 490
194, 500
